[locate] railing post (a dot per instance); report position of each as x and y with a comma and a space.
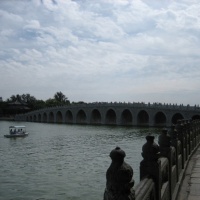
189, 137
197, 130
151, 165
119, 182
186, 145
166, 150
175, 143
193, 128
192, 136
181, 137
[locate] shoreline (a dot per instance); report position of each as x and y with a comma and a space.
7, 119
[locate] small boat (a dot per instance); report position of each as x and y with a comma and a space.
16, 131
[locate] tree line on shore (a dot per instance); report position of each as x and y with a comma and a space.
26, 102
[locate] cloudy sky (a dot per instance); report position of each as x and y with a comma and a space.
101, 50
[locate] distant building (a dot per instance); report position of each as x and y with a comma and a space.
1, 99
18, 107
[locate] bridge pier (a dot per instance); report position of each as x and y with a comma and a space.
151, 122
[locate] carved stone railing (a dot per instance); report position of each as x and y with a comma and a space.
162, 169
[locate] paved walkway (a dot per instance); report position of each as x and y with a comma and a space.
190, 189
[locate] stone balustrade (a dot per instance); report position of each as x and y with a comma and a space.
162, 168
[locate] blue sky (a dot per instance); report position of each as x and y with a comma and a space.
101, 50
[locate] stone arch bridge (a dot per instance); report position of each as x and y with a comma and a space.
127, 114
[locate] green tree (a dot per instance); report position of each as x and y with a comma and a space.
3, 106
51, 103
14, 98
61, 99
39, 104
29, 100
26, 99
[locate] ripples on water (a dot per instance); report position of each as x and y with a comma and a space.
64, 162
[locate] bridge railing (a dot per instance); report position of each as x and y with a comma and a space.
162, 168
129, 104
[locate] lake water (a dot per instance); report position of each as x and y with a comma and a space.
64, 162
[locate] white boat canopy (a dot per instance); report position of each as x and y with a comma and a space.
17, 126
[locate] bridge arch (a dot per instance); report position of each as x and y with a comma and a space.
176, 117
45, 117
195, 117
111, 117
81, 117
126, 117
34, 118
160, 119
143, 118
27, 118
39, 118
30, 118
59, 117
51, 117
95, 117
69, 117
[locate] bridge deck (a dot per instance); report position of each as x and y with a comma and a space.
190, 189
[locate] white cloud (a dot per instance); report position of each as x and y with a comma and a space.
32, 24
127, 50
